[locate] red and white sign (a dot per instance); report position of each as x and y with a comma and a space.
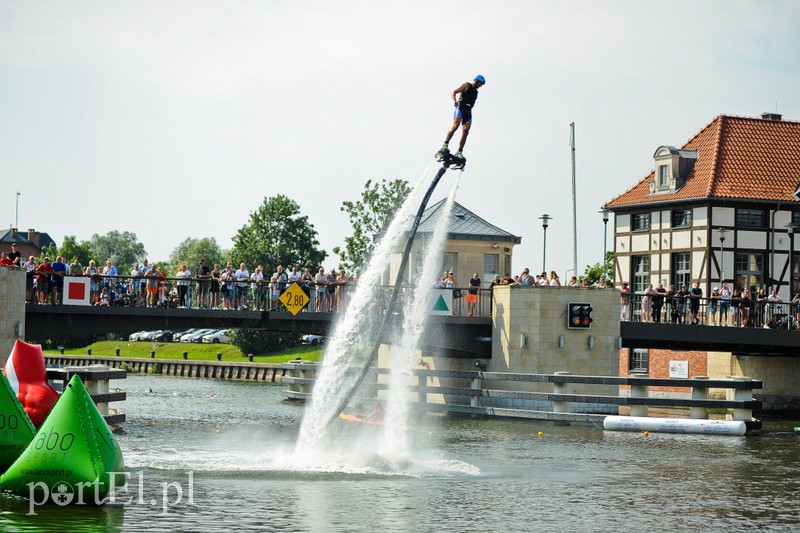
76, 291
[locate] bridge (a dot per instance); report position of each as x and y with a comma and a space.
457, 336
447, 336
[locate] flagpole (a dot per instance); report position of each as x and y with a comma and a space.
574, 210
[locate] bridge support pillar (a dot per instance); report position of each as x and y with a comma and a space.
699, 393
475, 401
639, 391
741, 395
12, 309
561, 388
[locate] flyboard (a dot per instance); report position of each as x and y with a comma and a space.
449, 162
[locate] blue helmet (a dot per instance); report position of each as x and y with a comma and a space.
480, 78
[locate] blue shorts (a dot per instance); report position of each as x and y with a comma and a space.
464, 113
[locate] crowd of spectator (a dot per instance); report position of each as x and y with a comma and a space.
724, 307
148, 285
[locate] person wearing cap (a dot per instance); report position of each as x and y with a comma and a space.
464, 103
15, 256
713, 301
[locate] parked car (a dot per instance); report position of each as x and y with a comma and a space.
134, 337
313, 340
151, 335
198, 334
177, 336
163, 336
216, 337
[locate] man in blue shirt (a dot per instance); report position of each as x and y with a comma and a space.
59, 271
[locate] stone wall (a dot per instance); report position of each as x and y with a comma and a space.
12, 308
528, 324
779, 375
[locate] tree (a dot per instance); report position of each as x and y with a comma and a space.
277, 235
71, 249
593, 273
191, 251
370, 217
260, 342
123, 249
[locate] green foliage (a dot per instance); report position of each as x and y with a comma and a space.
593, 273
191, 251
123, 249
71, 249
49, 251
370, 217
277, 235
256, 341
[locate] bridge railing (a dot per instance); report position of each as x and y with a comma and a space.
263, 295
483, 393
736, 312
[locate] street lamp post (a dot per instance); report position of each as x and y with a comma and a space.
722, 232
604, 212
545, 219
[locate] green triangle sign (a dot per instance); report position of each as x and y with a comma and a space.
441, 305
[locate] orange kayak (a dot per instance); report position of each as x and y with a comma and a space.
361, 419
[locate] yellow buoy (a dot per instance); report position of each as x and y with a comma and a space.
541, 434
646, 433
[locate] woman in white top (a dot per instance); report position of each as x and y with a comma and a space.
183, 284
554, 281
647, 304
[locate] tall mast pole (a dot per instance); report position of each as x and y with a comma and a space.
574, 209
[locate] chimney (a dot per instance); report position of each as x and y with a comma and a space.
771, 116
14, 233
33, 237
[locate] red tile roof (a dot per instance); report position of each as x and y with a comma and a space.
738, 158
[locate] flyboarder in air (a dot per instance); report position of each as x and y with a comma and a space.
462, 117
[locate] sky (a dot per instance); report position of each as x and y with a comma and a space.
175, 119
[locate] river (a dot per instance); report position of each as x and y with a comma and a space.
207, 455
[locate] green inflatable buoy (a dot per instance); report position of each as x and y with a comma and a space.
16, 429
73, 459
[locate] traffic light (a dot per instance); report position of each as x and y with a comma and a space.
579, 315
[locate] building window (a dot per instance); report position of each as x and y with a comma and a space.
641, 272
450, 263
663, 176
795, 275
681, 218
749, 271
681, 270
796, 220
638, 360
641, 222
751, 218
491, 262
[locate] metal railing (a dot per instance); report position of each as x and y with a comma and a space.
194, 293
736, 312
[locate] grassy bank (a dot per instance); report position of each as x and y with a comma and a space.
196, 352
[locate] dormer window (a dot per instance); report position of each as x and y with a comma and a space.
672, 168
